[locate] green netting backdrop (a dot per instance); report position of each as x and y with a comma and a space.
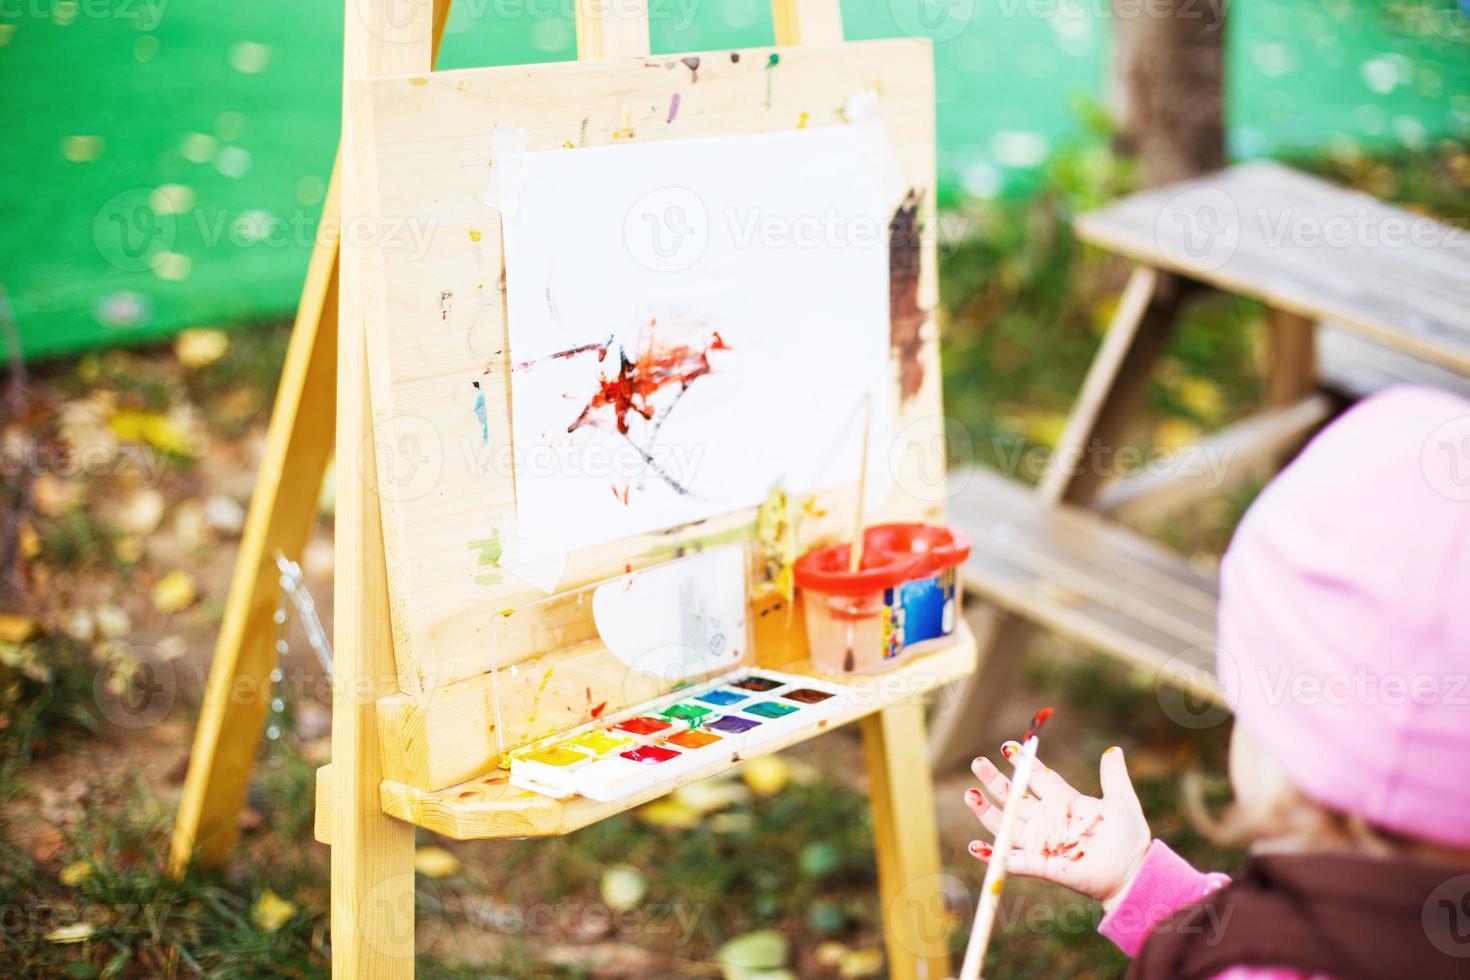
165, 161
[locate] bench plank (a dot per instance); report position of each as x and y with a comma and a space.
1308, 247
1098, 583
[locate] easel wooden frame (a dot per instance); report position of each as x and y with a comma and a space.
372, 853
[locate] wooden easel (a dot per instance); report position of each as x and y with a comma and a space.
369, 799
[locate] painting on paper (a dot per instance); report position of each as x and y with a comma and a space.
692, 321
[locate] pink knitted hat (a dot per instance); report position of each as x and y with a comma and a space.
1345, 616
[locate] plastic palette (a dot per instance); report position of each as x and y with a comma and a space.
659, 742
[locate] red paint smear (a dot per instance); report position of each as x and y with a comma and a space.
1038, 721
597, 711
1059, 850
631, 390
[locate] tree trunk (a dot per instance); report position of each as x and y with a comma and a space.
1168, 85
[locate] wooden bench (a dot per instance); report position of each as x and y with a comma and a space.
1360, 295
1094, 581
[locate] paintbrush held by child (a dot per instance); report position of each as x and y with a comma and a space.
1344, 652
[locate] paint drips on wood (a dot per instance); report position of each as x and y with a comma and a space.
905, 316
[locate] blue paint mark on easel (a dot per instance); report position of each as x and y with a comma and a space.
481, 413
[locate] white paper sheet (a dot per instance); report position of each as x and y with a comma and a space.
743, 280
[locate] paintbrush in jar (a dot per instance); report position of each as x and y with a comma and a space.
995, 871
855, 553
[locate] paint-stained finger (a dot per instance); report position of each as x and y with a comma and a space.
1046, 784
988, 813
1020, 863
996, 784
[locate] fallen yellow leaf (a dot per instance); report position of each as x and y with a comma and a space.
1173, 434
74, 933
1202, 397
158, 431
271, 911
766, 775
711, 795
175, 592
16, 629
199, 348
623, 887
860, 963
435, 862
830, 953
76, 873
670, 814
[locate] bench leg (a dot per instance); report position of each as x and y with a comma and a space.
906, 837
1291, 357
963, 725
1115, 385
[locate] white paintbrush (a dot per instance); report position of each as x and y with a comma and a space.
995, 871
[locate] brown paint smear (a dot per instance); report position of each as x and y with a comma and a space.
905, 316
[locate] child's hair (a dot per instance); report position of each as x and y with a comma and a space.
1270, 811
1290, 816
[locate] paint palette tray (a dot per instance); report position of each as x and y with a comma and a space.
491, 805
721, 719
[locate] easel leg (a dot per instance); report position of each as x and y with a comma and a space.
298, 448
372, 853
910, 883
283, 511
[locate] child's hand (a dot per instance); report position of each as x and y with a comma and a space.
1093, 846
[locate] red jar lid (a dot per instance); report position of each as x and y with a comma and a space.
892, 554
935, 548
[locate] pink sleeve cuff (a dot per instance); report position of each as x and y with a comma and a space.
1165, 883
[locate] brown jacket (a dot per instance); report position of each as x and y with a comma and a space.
1347, 917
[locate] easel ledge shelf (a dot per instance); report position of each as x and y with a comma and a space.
489, 807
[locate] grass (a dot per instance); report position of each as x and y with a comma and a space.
1024, 309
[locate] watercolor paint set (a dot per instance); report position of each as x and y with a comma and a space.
663, 740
